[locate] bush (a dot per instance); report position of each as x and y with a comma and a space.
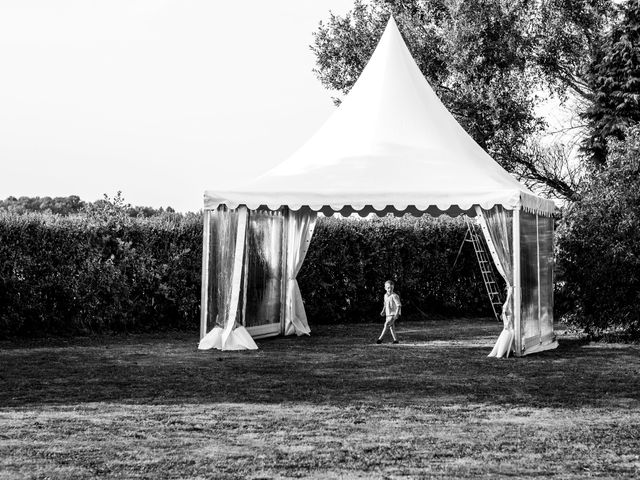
104, 271
85, 274
350, 259
599, 246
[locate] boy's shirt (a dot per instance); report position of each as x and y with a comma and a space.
392, 304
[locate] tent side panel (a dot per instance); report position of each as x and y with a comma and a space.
517, 287
529, 262
264, 272
536, 265
223, 226
545, 235
223, 287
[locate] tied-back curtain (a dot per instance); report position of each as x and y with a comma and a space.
497, 227
300, 228
227, 239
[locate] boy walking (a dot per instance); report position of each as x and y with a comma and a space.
390, 310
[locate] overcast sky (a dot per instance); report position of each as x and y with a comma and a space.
153, 97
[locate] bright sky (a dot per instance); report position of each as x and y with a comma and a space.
156, 98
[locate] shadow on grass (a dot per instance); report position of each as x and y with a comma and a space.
435, 363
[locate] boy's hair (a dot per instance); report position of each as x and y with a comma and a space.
390, 282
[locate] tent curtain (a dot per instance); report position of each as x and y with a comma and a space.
497, 227
228, 233
300, 226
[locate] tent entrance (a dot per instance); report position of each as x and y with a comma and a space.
486, 257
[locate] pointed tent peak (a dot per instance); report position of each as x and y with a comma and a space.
391, 23
391, 142
391, 116
392, 30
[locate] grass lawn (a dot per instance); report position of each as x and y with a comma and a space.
333, 405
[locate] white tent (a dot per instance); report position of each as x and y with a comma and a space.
391, 146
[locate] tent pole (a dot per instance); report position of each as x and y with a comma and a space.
284, 294
517, 288
204, 293
245, 273
539, 289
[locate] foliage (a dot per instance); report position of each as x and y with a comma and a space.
599, 245
349, 260
487, 61
73, 204
615, 79
105, 271
85, 274
568, 35
58, 205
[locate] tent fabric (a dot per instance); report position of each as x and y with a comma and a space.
495, 225
236, 278
238, 339
299, 232
536, 277
227, 335
390, 144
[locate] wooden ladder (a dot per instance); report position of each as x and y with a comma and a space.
474, 235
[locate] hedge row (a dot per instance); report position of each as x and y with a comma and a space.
63, 275
113, 273
342, 279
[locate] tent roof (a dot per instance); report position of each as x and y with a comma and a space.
391, 145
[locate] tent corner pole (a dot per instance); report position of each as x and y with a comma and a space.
517, 286
284, 290
204, 293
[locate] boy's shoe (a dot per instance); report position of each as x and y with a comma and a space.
378, 341
396, 341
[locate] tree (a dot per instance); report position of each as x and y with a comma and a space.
57, 205
72, 204
569, 33
614, 77
487, 60
599, 244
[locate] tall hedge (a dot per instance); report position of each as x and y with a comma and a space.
106, 272
349, 260
87, 274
